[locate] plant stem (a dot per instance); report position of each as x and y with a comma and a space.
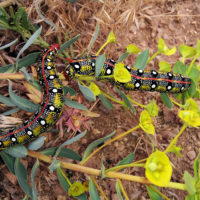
152, 57
176, 138
192, 63
96, 172
135, 102
101, 48
111, 98
122, 189
176, 103
108, 142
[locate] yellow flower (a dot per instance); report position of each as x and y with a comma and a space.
163, 48
158, 169
121, 74
131, 48
190, 117
76, 189
111, 37
146, 122
95, 89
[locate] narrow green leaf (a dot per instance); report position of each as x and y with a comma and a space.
64, 183
96, 143
190, 183
123, 56
69, 90
27, 76
21, 175
102, 170
55, 164
9, 161
9, 44
93, 39
142, 59
43, 18
33, 172
166, 100
127, 102
22, 103
68, 43
87, 92
118, 189
65, 152
37, 143
25, 22
28, 43
99, 64
196, 167
127, 160
74, 104
5, 100
105, 101
194, 74
18, 151
93, 191
10, 112
153, 194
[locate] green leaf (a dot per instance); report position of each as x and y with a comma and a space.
33, 172
10, 112
166, 100
127, 102
164, 66
118, 189
131, 48
153, 194
8, 160
5, 100
74, 104
69, 90
152, 108
21, 175
102, 170
64, 183
186, 51
180, 68
196, 168
68, 43
94, 38
95, 144
93, 191
105, 101
18, 151
99, 64
141, 60
24, 62
37, 143
28, 43
194, 74
122, 57
9, 44
87, 92
64, 152
22, 103
192, 89
198, 46
55, 164
76, 189
25, 22
190, 183
127, 160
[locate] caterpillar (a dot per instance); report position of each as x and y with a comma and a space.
140, 79
51, 107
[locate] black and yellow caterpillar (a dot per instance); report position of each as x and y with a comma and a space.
51, 107
140, 79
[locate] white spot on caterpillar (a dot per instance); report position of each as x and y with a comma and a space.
51, 77
13, 139
55, 90
51, 53
29, 132
108, 71
77, 66
140, 71
1, 143
52, 108
48, 67
93, 64
137, 85
67, 71
128, 67
153, 86
169, 87
182, 88
154, 72
169, 74
42, 122
48, 60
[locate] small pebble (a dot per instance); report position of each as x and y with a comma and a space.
191, 155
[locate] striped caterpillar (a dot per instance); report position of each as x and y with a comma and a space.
140, 80
51, 107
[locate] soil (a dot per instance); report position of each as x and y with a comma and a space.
141, 23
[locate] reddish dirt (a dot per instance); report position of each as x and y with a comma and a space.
176, 22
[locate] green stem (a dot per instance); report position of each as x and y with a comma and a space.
176, 103
152, 57
111, 98
192, 63
101, 48
135, 102
176, 138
